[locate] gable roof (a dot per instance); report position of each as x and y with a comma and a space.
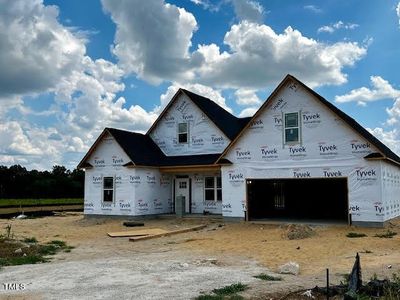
142, 151
385, 152
138, 147
225, 121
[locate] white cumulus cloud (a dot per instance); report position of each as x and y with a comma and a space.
338, 25
381, 89
390, 138
248, 10
152, 38
36, 51
259, 57
248, 112
247, 97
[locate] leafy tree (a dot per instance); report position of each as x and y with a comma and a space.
17, 182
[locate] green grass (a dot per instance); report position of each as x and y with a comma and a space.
228, 292
355, 235
32, 254
39, 202
231, 289
387, 235
22, 260
58, 243
209, 297
219, 297
32, 240
267, 277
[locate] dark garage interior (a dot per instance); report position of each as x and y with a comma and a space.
311, 199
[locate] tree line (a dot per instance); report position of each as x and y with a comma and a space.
16, 182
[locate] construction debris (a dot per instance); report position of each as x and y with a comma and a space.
298, 232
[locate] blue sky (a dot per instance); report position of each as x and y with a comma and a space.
71, 68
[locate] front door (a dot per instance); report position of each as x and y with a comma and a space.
182, 189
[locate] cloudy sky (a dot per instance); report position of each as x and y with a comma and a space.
71, 68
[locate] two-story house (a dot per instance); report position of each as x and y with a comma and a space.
298, 157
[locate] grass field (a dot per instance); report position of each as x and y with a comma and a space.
39, 202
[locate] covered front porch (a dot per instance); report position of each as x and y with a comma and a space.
196, 190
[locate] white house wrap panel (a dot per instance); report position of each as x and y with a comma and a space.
389, 205
204, 137
137, 191
328, 148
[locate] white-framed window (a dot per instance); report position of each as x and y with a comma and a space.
182, 184
212, 188
108, 189
291, 128
183, 133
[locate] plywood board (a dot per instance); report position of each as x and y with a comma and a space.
141, 232
152, 236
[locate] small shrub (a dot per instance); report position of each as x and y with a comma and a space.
219, 297
22, 260
209, 297
387, 235
355, 235
58, 243
31, 240
231, 289
48, 249
35, 253
267, 277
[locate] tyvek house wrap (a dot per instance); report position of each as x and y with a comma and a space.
390, 204
204, 136
329, 148
136, 191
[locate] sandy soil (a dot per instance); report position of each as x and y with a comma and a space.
185, 265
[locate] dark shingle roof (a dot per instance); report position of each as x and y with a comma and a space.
225, 121
141, 149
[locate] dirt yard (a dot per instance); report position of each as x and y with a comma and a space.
185, 265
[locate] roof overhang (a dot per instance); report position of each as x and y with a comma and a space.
192, 168
379, 156
129, 164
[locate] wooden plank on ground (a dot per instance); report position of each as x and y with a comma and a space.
152, 236
141, 232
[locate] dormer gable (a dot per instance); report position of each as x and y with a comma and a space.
191, 125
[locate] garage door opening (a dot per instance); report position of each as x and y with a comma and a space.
307, 199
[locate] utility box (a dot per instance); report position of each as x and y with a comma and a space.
180, 206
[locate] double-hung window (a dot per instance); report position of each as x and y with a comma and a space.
292, 128
183, 133
212, 188
108, 189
